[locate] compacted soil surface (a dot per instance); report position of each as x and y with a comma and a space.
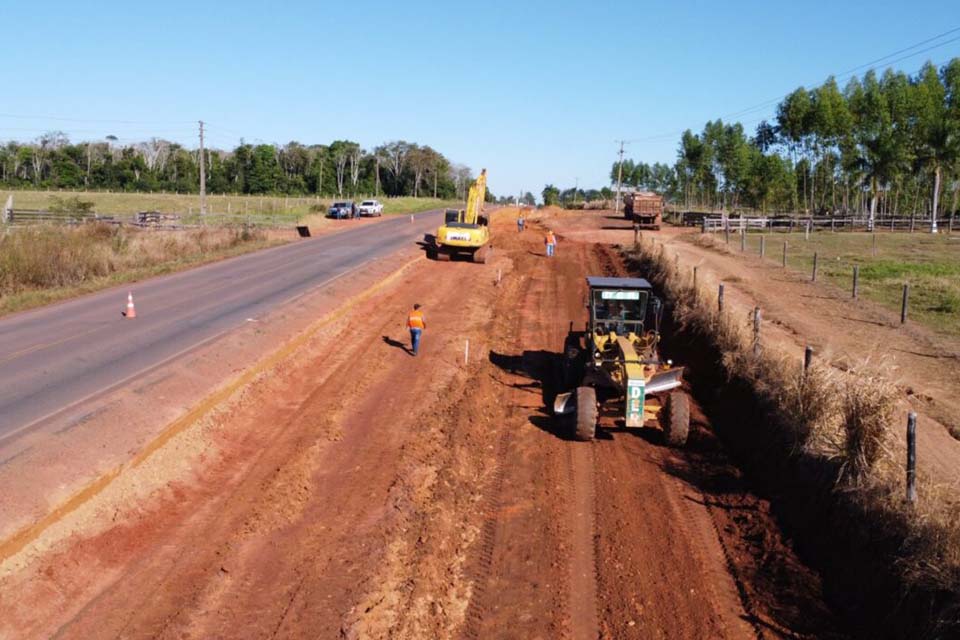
353, 490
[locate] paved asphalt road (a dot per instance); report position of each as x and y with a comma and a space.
53, 357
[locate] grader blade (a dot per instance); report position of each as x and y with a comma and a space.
665, 380
564, 404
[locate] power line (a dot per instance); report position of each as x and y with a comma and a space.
843, 76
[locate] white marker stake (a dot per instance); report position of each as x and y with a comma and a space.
466, 351
498, 276
411, 218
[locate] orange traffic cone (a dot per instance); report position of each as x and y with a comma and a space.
131, 311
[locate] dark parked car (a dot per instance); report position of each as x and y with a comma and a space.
342, 209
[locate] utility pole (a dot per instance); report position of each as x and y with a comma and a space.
619, 175
203, 176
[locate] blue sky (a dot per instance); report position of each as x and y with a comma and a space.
537, 92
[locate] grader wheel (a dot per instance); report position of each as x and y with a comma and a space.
586, 427
675, 419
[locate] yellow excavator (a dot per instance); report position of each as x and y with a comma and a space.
465, 231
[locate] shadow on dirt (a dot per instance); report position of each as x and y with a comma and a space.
542, 368
397, 344
429, 247
855, 553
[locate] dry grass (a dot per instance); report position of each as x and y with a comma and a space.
835, 420
42, 264
284, 207
866, 410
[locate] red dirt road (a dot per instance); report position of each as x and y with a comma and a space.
355, 491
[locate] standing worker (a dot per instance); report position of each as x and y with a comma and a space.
551, 242
416, 325
520, 221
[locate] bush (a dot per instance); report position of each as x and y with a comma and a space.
72, 204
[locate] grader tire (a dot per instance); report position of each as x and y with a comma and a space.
442, 256
676, 419
586, 426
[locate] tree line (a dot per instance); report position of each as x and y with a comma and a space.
886, 143
341, 168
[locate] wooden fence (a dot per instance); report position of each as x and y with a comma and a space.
742, 224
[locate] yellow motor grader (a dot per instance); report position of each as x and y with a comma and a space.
613, 365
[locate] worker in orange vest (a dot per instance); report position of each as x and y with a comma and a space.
416, 325
551, 242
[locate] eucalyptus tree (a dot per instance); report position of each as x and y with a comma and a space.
938, 138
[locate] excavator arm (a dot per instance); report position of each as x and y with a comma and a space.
478, 191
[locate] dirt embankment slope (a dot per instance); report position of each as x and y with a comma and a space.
357, 491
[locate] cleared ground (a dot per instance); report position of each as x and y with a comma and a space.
355, 491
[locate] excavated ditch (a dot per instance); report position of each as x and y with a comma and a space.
856, 559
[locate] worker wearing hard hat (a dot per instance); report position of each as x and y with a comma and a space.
416, 325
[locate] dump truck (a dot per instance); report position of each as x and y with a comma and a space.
465, 231
613, 367
645, 208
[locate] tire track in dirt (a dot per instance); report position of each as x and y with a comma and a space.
538, 457
583, 565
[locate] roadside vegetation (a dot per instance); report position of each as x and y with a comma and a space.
44, 264
887, 142
822, 444
882, 144
286, 209
338, 169
929, 263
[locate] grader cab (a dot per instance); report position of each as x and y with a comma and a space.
613, 366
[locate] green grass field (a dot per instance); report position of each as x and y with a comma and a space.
286, 209
930, 264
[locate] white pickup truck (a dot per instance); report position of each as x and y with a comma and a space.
370, 208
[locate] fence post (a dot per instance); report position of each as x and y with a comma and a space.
720, 298
784, 254
806, 233
695, 280
874, 243
815, 264
807, 358
856, 281
912, 220
903, 304
726, 232
703, 224
763, 245
912, 457
832, 225
756, 331
743, 240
